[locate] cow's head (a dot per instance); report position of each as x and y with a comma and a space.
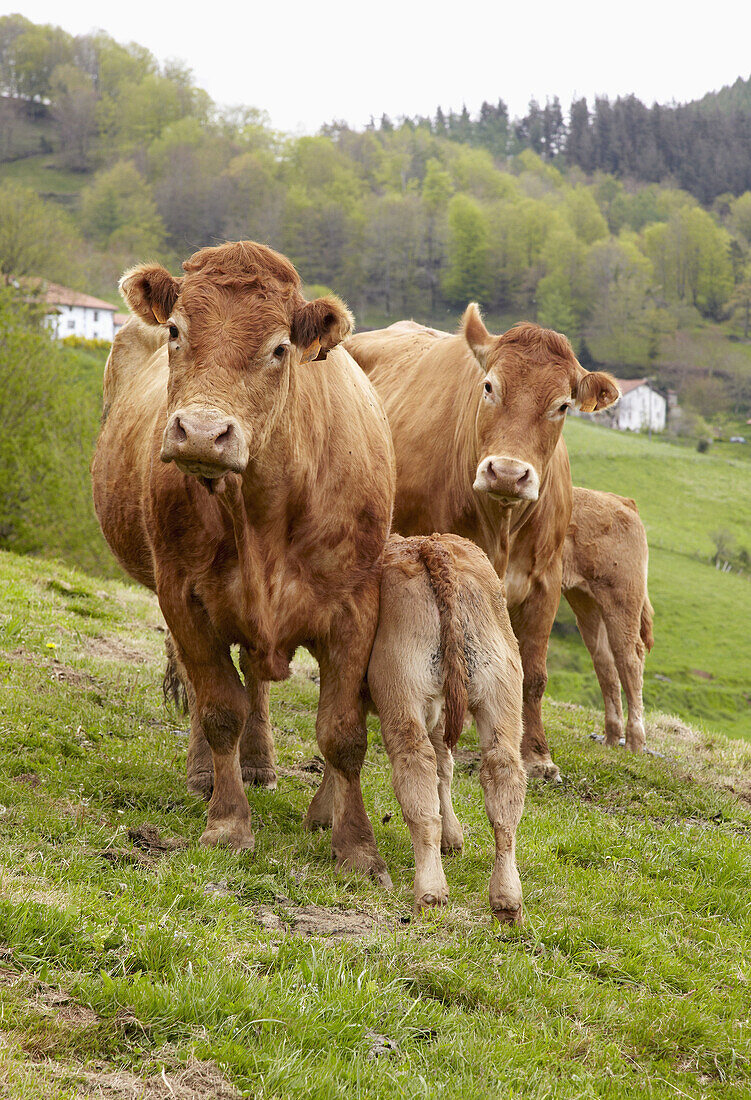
530, 378
238, 329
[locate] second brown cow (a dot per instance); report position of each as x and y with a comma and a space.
476, 421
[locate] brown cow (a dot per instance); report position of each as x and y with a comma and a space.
247, 477
444, 634
605, 558
477, 422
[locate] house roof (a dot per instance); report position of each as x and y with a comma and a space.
56, 295
626, 385
121, 318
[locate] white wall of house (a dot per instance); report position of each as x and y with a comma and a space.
641, 408
92, 324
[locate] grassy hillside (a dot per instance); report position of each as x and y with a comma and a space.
700, 662
126, 971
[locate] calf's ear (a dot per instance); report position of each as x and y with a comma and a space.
477, 336
150, 291
596, 390
320, 325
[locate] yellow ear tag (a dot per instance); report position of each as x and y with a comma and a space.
311, 352
589, 407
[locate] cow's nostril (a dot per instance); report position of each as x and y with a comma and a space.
224, 437
178, 431
523, 479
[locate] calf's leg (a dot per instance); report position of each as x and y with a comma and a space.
594, 635
628, 652
498, 717
416, 786
452, 835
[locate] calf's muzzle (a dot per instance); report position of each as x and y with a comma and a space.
508, 479
204, 442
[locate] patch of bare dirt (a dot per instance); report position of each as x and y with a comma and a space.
309, 771
314, 920
198, 1081
57, 670
112, 649
28, 779
149, 839
48, 1000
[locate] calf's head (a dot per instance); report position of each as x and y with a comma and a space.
530, 378
238, 329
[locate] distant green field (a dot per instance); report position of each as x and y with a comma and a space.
42, 174
702, 616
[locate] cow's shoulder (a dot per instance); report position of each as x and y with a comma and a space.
136, 348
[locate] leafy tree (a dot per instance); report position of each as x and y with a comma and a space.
118, 212
466, 275
74, 109
35, 237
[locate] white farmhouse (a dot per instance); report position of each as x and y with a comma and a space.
641, 406
72, 313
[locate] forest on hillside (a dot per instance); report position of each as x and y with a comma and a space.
626, 227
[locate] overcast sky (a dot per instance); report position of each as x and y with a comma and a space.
306, 63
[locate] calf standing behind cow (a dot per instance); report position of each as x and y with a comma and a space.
476, 421
444, 635
245, 473
605, 559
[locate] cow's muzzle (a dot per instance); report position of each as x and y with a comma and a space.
205, 443
507, 479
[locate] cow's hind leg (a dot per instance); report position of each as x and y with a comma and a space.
257, 758
452, 836
503, 779
594, 635
342, 738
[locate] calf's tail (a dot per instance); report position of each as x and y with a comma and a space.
647, 618
442, 577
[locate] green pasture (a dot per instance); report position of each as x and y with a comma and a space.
268, 975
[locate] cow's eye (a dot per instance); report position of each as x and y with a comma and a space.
173, 332
279, 351
488, 388
563, 408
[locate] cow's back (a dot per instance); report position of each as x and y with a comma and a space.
134, 391
605, 542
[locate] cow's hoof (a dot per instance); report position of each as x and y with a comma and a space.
367, 862
263, 776
317, 818
540, 767
229, 833
432, 899
509, 916
202, 784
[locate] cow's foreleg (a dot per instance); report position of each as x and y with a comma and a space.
532, 622
342, 738
219, 709
257, 758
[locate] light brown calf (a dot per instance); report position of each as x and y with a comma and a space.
444, 637
605, 558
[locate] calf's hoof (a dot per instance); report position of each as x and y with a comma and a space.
452, 839
542, 767
317, 817
509, 916
263, 775
202, 784
432, 899
229, 833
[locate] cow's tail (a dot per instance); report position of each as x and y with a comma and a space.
440, 570
647, 618
173, 682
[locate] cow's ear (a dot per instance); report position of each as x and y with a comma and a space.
320, 325
596, 390
151, 292
477, 336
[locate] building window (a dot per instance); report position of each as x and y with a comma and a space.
96, 315
72, 323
